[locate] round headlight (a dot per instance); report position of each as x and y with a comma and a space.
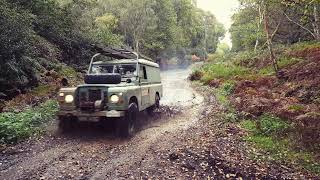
68, 98
114, 98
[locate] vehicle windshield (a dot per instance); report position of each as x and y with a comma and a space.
125, 70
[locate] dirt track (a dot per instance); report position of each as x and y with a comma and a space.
92, 152
186, 139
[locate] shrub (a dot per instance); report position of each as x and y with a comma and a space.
223, 92
18, 126
264, 135
304, 45
67, 71
228, 88
224, 71
287, 61
268, 124
231, 117
249, 125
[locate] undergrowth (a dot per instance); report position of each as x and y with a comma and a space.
225, 71
21, 125
272, 135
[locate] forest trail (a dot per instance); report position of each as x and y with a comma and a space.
90, 152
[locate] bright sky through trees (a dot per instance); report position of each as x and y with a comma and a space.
223, 10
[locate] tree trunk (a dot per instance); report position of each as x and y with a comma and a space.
136, 42
269, 40
258, 27
316, 22
137, 46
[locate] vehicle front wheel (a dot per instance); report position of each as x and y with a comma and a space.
126, 124
66, 124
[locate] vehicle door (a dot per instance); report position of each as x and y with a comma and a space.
144, 85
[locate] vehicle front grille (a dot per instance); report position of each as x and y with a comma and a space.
95, 95
88, 97
83, 97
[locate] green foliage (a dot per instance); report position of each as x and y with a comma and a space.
49, 31
21, 125
105, 26
67, 71
287, 61
283, 62
266, 138
266, 125
289, 22
16, 36
249, 125
222, 94
231, 117
246, 30
248, 58
222, 70
14, 43
269, 124
228, 88
221, 97
41, 90
301, 46
223, 48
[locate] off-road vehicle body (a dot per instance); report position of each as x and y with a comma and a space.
117, 86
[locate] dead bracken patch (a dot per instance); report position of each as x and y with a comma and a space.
295, 98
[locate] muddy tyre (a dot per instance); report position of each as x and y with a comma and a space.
66, 124
126, 124
151, 109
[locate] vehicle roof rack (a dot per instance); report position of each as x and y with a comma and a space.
118, 53
115, 53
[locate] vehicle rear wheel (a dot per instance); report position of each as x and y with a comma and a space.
151, 109
66, 124
126, 124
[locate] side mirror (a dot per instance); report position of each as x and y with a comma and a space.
129, 80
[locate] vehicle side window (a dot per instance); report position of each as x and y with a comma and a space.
143, 74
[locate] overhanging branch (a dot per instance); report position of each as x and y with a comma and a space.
303, 27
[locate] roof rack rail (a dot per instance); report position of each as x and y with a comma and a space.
115, 53
118, 53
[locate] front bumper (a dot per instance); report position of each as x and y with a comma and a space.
84, 115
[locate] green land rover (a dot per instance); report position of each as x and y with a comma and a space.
117, 86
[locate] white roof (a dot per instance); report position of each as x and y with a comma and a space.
128, 61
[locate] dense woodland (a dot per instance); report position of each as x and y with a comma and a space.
38, 35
